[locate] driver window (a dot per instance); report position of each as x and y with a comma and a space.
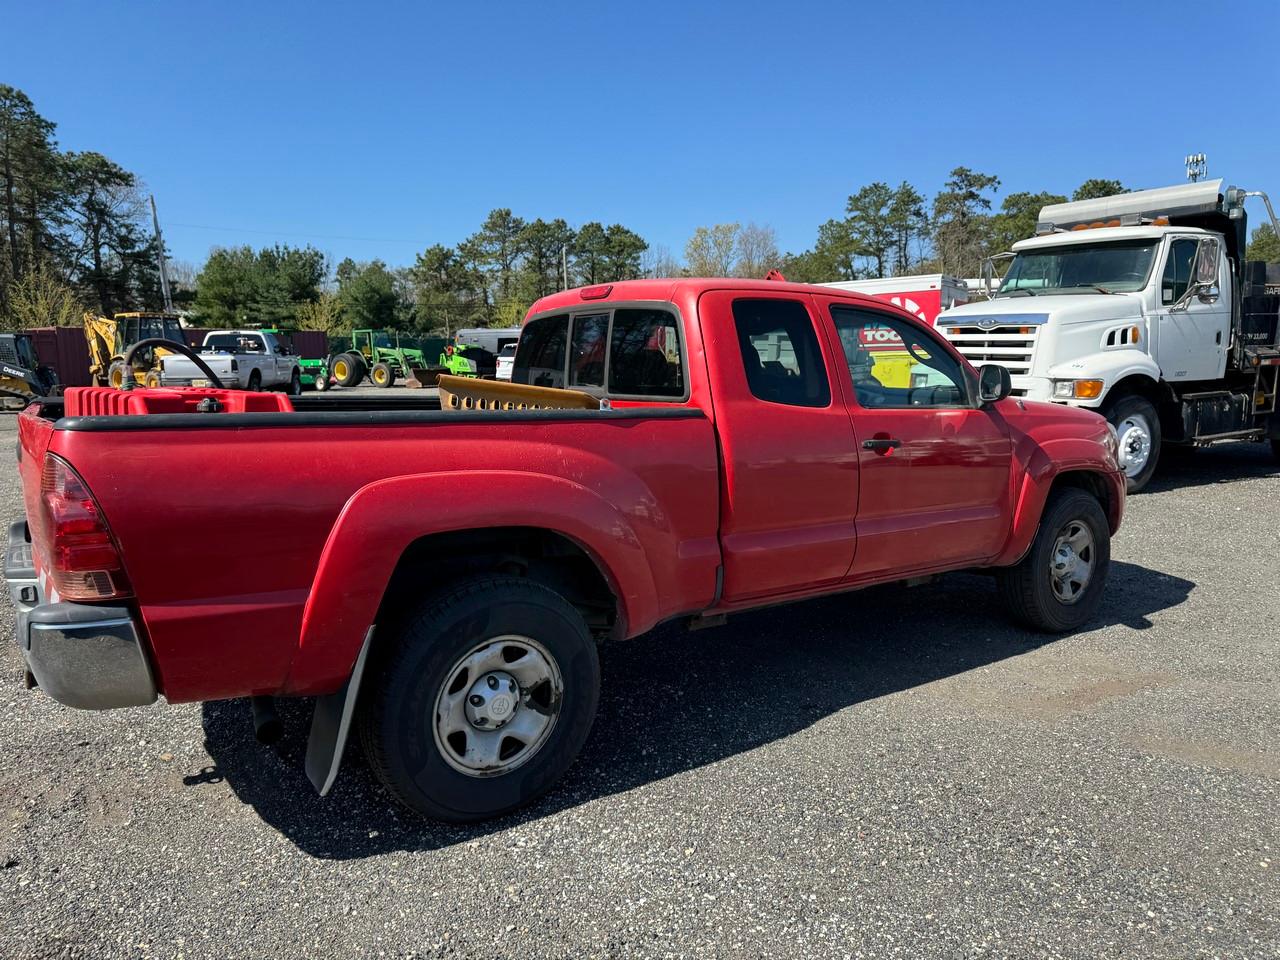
893, 363
1177, 270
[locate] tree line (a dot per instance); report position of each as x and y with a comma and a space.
75, 235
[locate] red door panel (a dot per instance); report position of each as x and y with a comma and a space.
790, 469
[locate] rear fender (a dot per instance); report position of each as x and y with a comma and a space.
381, 520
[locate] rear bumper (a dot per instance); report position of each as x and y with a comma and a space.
83, 656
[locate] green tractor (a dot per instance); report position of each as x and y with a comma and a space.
379, 355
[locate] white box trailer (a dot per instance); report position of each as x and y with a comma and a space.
924, 295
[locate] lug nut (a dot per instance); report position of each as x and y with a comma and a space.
493, 683
476, 700
481, 721
511, 685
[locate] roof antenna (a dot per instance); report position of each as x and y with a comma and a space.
1197, 167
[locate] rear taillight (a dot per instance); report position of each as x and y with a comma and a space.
79, 553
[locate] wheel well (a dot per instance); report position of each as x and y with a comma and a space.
1136, 384
1090, 482
548, 557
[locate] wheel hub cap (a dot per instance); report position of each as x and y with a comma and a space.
497, 706
1134, 436
493, 701
1071, 563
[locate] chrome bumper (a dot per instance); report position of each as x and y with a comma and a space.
83, 656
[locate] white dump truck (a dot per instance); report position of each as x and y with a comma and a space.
1142, 307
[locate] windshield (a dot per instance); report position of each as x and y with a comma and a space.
1119, 266
508, 351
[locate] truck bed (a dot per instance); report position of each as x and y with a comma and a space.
254, 508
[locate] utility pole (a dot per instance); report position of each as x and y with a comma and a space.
564, 263
164, 269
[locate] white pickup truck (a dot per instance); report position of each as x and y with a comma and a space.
248, 359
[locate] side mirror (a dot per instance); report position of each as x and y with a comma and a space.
1207, 292
994, 383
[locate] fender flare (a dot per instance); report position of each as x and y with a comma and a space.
1044, 464
382, 519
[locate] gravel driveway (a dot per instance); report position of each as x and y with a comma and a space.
894, 773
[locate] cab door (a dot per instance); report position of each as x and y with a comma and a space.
934, 468
1193, 332
789, 465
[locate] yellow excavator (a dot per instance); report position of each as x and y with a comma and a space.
109, 337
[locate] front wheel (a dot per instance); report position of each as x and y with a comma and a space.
481, 702
1058, 585
1138, 431
382, 375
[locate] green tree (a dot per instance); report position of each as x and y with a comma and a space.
447, 290
1264, 245
908, 221
590, 250
1018, 216
712, 251
323, 314
1095, 189
962, 226
496, 248
545, 245
237, 285
368, 295
869, 225
30, 181
623, 250
39, 299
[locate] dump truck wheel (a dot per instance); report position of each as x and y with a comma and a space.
382, 375
481, 701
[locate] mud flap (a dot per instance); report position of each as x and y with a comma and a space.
331, 724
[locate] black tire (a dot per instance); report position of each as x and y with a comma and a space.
1027, 588
255, 381
382, 375
322, 381
399, 696
1135, 409
295, 383
117, 374
347, 369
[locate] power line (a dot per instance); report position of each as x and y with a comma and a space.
288, 233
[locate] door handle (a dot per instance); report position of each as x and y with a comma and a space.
882, 444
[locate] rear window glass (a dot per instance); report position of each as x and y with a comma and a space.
234, 343
780, 352
631, 352
586, 356
540, 355
644, 354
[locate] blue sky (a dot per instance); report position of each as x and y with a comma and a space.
376, 130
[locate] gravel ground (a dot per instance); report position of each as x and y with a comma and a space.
896, 773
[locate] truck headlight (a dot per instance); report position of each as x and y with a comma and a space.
1077, 389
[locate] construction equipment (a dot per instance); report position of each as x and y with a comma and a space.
21, 373
380, 355
108, 338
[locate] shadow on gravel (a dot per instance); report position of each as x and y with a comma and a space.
674, 700
1184, 467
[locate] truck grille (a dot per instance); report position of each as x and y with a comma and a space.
1013, 347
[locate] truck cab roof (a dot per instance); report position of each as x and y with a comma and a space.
1102, 235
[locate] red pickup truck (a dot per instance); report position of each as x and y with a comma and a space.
439, 580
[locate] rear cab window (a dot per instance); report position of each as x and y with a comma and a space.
626, 352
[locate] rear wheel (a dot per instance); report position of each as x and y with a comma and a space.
1058, 585
255, 381
295, 383
347, 370
382, 375
482, 700
1138, 431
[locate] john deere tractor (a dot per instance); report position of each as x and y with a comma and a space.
379, 355
21, 373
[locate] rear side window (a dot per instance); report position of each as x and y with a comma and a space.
540, 355
644, 354
780, 352
586, 356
